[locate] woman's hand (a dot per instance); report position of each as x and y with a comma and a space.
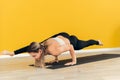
70, 63
72, 53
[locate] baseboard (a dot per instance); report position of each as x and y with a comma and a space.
77, 52
98, 50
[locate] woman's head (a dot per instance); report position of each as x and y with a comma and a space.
35, 50
33, 47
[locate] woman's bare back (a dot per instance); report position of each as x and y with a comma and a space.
54, 47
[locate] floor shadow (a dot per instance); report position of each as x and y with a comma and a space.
83, 60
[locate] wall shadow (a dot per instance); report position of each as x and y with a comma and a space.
83, 60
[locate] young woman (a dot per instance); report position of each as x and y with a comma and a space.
55, 46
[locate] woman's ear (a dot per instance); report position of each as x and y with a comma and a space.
40, 51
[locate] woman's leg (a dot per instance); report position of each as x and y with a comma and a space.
21, 50
24, 49
80, 44
64, 34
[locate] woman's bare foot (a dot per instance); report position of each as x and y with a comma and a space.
100, 43
5, 52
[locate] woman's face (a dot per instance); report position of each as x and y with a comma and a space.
36, 55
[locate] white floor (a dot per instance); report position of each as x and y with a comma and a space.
93, 66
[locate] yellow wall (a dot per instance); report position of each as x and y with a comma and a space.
24, 21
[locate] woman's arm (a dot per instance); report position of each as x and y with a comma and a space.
21, 50
72, 53
41, 61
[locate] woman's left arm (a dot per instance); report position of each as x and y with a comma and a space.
72, 53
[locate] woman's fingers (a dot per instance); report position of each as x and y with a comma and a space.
70, 63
